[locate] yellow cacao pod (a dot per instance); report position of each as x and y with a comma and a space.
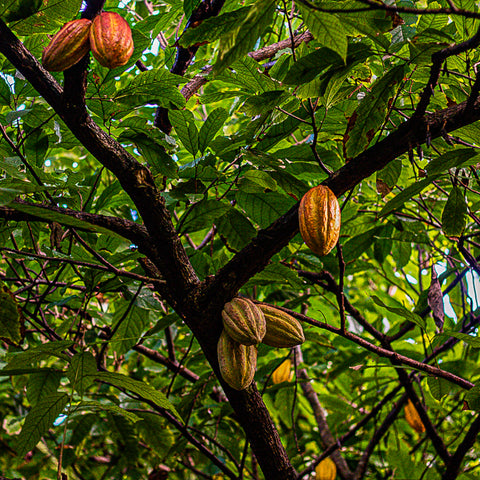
319, 219
68, 46
326, 469
111, 40
413, 418
244, 321
283, 331
283, 373
237, 362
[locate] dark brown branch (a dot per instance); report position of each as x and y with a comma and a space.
467, 443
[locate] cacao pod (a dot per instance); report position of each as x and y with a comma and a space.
237, 362
111, 40
326, 469
319, 219
68, 46
244, 321
283, 373
283, 331
413, 418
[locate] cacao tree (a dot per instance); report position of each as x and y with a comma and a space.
135, 202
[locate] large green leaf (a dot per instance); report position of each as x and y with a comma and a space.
82, 367
370, 115
240, 41
39, 419
143, 389
203, 214
209, 129
401, 311
11, 319
326, 28
184, 124
454, 213
42, 384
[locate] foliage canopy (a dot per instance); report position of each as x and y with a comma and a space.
135, 202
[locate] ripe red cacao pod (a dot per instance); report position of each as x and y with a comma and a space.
319, 219
68, 46
237, 362
111, 40
244, 321
283, 331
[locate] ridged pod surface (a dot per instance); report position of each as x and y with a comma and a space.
319, 218
283, 331
237, 362
111, 40
68, 46
326, 469
244, 321
283, 373
413, 418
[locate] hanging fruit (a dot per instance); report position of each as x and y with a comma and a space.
319, 219
244, 321
283, 373
413, 418
283, 331
326, 469
111, 40
68, 46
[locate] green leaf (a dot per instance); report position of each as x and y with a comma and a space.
186, 130
387, 178
15, 10
470, 340
203, 214
235, 228
306, 68
50, 18
439, 387
157, 158
5, 92
146, 391
39, 420
80, 371
370, 115
240, 41
36, 147
263, 179
158, 85
405, 195
34, 354
456, 158
213, 28
132, 322
11, 320
42, 384
326, 28
95, 406
472, 399
401, 311
264, 208
264, 102
209, 129
454, 213
359, 244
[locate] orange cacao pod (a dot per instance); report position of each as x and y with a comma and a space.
319, 219
326, 469
283, 331
111, 40
244, 321
283, 373
68, 46
413, 418
237, 362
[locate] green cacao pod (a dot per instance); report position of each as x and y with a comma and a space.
319, 219
283, 373
413, 418
283, 331
326, 469
111, 40
237, 362
244, 321
68, 46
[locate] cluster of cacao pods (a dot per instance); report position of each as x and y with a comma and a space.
326, 470
245, 325
413, 418
319, 219
108, 36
